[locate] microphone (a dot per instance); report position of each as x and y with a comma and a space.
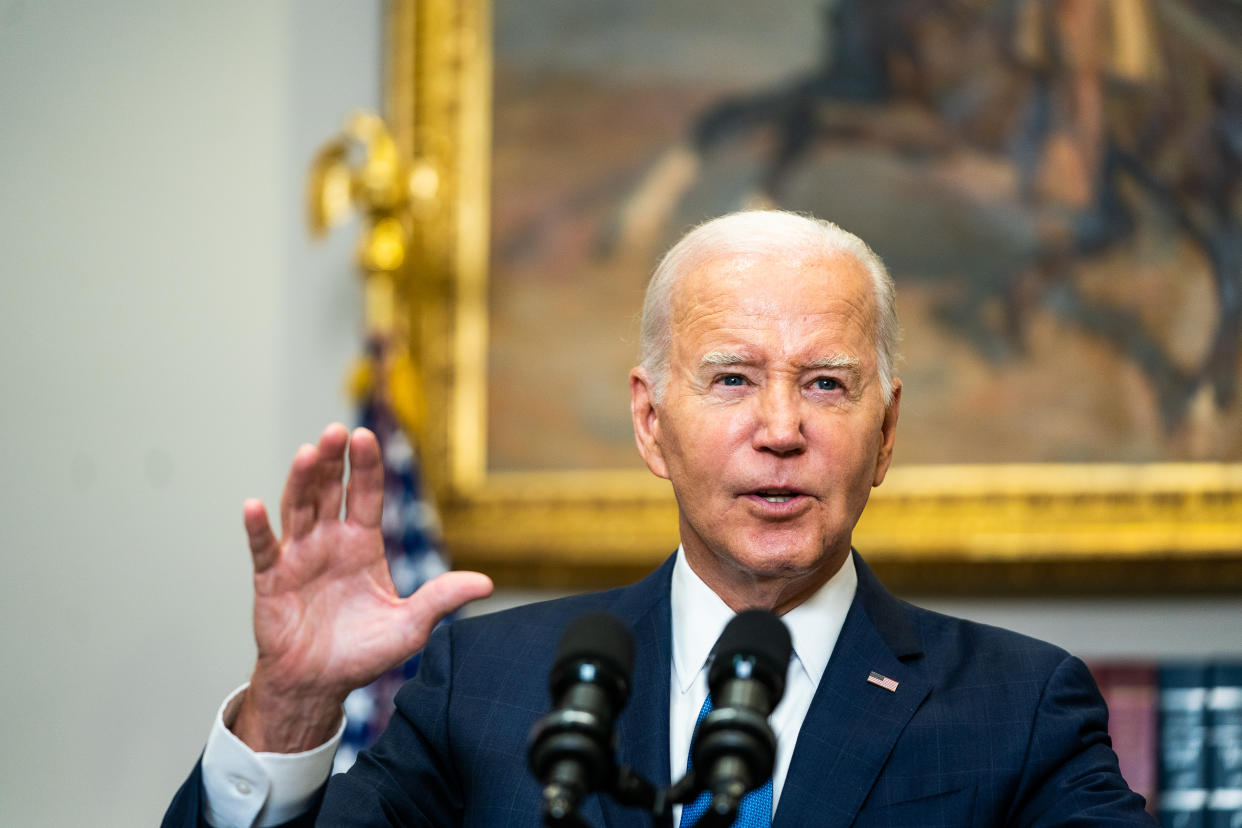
735, 748
571, 748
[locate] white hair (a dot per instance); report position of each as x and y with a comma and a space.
763, 232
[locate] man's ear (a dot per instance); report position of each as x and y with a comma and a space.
888, 433
646, 421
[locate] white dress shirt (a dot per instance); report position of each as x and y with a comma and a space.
699, 616
243, 788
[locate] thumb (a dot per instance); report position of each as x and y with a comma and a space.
440, 596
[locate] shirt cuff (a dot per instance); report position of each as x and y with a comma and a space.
243, 788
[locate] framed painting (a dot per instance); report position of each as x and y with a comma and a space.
1055, 203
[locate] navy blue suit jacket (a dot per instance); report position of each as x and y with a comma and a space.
986, 727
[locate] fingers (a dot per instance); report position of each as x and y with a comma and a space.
364, 499
313, 488
264, 548
300, 498
331, 447
442, 595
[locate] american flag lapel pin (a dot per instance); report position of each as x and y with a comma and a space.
882, 681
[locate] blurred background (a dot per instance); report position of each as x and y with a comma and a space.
171, 335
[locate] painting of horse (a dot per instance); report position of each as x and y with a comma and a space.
1055, 186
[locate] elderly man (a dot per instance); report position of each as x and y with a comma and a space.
766, 396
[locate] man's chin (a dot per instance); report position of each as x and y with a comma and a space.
779, 561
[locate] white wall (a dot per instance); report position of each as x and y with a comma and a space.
169, 337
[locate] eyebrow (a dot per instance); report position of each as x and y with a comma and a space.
717, 358
834, 362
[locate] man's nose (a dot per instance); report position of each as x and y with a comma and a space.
779, 426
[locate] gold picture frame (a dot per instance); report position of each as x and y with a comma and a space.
929, 529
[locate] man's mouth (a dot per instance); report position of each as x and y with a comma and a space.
776, 495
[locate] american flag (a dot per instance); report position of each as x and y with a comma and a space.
882, 681
411, 530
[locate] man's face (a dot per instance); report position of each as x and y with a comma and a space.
772, 427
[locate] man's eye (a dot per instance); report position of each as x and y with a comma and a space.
826, 384
732, 379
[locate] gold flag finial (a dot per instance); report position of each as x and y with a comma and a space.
362, 170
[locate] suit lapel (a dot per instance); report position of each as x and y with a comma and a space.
849, 730
642, 729
852, 725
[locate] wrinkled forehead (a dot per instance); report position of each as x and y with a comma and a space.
771, 283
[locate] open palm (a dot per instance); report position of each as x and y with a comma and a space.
327, 618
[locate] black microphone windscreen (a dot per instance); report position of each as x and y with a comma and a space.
755, 634
598, 636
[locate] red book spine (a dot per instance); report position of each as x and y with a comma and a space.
1131, 693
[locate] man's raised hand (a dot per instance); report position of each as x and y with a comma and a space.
326, 616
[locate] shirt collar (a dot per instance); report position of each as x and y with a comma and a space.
815, 624
699, 616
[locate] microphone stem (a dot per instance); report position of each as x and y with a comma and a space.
721, 813
559, 809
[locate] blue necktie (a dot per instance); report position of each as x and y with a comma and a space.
756, 808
